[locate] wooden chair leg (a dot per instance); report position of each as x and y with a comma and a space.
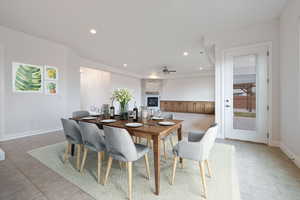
102, 155
78, 156
129, 166
67, 151
181, 164
99, 164
121, 164
83, 159
149, 142
165, 153
202, 172
208, 168
108, 169
171, 142
139, 140
147, 166
174, 169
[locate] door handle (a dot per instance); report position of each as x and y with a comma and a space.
227, 106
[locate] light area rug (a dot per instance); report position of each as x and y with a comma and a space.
223, 185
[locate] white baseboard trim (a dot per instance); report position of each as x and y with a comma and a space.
274, 143
295, 158
6, 137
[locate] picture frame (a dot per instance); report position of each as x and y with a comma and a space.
51, 73
27, 78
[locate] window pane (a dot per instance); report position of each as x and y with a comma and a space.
244, 93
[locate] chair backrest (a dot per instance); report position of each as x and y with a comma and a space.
72, 131
80, 113
119, 144
92, 137
208, 140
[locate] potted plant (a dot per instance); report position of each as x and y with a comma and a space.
123, 96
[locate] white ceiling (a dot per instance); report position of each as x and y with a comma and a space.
145, 34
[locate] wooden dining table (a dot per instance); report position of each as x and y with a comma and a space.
150, 130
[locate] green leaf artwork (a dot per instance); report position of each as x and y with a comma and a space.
27, 78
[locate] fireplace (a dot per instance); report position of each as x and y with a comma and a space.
152, 101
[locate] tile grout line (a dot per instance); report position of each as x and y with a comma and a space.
27, 178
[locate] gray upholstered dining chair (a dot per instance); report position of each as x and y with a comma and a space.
121, 147
80, 113
195, 136
93, 140
73, 136
198, 151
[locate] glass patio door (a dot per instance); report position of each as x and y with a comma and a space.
246, 94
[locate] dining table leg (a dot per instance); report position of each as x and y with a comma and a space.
179, 134
156, 151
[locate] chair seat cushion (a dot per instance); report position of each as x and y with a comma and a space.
141, 150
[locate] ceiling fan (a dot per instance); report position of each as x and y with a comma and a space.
165, 70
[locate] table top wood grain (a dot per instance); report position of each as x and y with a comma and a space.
149, 126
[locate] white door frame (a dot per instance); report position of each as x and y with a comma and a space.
2, 92
220, 89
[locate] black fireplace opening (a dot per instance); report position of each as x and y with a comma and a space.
152, 101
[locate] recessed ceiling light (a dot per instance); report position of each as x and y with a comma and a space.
124, 65
201, 68
185, 53
93, 31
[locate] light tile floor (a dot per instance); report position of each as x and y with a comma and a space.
265, 173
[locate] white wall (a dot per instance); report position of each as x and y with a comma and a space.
94, 88
2, 81
268, 32
289, 84
131, 83
27, 114
97, 87
200, 88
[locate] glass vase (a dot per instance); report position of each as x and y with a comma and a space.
123, 111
